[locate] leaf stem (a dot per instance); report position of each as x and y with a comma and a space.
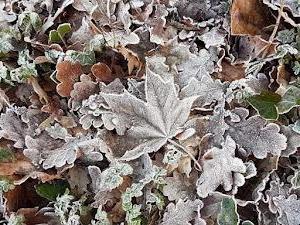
187, 152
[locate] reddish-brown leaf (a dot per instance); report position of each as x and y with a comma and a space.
102, 72
68, 74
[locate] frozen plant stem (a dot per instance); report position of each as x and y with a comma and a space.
185, 151
38, 89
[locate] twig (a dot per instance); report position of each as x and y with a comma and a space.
271, 38
186, 151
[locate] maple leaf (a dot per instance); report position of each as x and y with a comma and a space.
152, 122
220, 166
255, 136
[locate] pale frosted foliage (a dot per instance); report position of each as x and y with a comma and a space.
94, 108
293, 5
195, 66
91, 111
206, 89
12, 128
113, 176
220, 167
213, 38
276, 190
293, 140
56, 154
179, 187
289, 210
255, 136
181, 213
57, 131
154, 121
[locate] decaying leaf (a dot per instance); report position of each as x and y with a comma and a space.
102, 72
206, 89
248, 17
58, 154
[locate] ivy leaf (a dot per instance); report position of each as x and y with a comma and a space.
59, 34
220, 167
228, 214
150, 123
51, 191
265, 104
113, 176
290, 99
84, 58
28, 21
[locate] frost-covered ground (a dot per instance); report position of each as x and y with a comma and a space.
145, 112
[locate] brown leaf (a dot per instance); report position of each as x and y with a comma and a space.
84, 88
131, 57
68, 74
248, 17
20, 165
33, 216
23, 196
231, 72
102, 72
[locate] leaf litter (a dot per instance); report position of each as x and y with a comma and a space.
149, 112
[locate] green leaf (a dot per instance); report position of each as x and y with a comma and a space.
84, 58
228, 214
51, 191
290, 99
6, 155
28, 21
265, 104
59, 34
5, 184
296, 68
22, 73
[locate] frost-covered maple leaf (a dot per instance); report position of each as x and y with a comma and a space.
221, 167
153, 122
255, 136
